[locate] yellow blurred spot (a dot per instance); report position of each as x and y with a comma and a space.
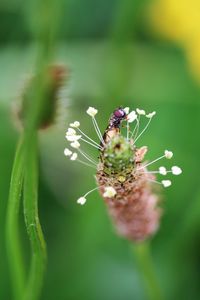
179, 21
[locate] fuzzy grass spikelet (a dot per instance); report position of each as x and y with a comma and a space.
54, 78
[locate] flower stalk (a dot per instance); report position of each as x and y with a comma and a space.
145, 263
38, 247
13, 242
37, 111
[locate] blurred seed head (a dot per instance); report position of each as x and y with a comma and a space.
54, 81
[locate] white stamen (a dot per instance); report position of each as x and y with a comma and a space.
96, 188
162, 171
91, 111
90, 159
110, 192
76, 124
176, 170
151, 172
135, 130
154, 181
150, 163
70, 132
98, 147
73, 138
132, 116
127, 131
127, 109
67, 152
88, 137
81, 200
145, 128
75, 144
150, 115
168, 154
86, 164
166, 183
74, 156
96, 127
140, 111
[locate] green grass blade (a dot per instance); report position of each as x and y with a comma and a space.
38, 248
14, 251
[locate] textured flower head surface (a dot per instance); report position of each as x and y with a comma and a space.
123, 177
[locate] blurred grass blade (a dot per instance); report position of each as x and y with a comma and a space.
14, 250
145, 263
188, 227
125, 19
38, 248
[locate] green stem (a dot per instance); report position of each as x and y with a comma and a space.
14, 251
144, 258
38, 248
38, 102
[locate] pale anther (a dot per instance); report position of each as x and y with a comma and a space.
140, 111
168, 154
110, 192
75, 144
150, 115
67, 152
91, 111
81, 200
76, 124
72, 138
70, 131
166, 183
74, 156
132, 116
162, 171
176, 170
127, 109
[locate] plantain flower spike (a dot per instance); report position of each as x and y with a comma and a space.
123, 177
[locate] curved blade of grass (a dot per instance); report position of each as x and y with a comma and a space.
38, 248
145, 263
14, 251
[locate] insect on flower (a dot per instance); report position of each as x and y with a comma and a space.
122, 175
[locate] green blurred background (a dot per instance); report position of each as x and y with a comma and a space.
129, 53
